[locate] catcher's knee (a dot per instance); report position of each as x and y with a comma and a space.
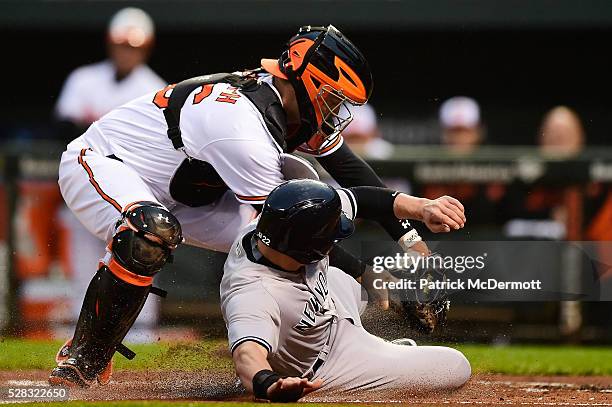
145, 238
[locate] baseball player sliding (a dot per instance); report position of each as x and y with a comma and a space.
194, 162
293, 321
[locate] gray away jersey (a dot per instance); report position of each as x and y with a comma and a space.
290, 314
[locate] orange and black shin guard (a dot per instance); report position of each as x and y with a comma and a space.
109, 310
141, 246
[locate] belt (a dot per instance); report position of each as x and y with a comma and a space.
322, 357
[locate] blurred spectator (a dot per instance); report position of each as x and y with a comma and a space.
571, 213
461, 128
579, 212
364, 136
93, 90
561, 132
539, 212
460, 121
49, 234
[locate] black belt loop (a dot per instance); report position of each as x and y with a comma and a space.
317, 364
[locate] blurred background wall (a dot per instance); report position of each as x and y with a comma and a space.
517, 60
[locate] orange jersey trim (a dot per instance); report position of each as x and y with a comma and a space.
95, 184
130, 205
125, 275
314, 152
334, 144
251, 198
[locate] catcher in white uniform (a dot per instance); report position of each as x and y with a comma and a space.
89, 93
194, 162
293, 321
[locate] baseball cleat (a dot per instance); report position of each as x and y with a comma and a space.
69, 375
66, 372
104, 376
64, 352
404, 342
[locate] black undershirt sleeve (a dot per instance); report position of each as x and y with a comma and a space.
374, 203
351, 171
396, 228
377, 204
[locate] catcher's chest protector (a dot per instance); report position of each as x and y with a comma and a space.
196, 182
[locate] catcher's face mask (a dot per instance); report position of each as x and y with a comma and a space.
327, 71
331, 108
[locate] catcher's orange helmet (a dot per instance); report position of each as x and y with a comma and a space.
326, 70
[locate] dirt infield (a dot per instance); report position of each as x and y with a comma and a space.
482, 389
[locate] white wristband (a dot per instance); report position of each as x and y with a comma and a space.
409, 239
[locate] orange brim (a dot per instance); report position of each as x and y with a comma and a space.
271, 66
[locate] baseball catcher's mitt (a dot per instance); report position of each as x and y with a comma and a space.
424, 318
423, 308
